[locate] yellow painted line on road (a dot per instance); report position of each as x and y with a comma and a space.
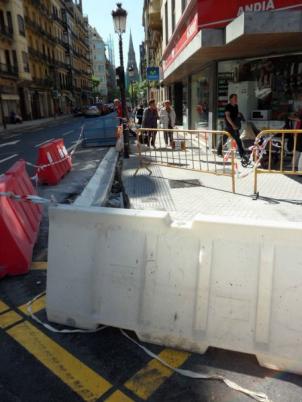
39, 265
9, 318
118, 396
146, 381
3, 307
89, 385
37, 306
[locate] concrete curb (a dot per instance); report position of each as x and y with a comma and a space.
97, 190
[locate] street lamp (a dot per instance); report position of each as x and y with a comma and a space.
119, 21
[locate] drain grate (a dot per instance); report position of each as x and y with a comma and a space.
184, 183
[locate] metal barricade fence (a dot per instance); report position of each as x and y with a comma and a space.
275, 151
186, 149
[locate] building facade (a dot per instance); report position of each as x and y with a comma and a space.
44, 56
13, 56
251, 48
99, 61
152, 23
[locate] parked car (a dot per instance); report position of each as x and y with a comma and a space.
92, 111
77, 111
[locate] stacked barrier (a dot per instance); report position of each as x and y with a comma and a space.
53, 162
19, 222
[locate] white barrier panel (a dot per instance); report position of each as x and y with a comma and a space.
231, 284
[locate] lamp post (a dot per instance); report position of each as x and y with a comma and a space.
119, 21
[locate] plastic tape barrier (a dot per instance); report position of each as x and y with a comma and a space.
215, 282
258, 396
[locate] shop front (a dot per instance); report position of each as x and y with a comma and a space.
251, 51
269, 89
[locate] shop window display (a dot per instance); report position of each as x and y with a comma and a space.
200, 100
269, 90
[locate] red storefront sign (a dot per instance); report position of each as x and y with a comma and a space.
209, 14
187, 33
212, 16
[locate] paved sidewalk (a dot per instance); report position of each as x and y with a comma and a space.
187, 193
33, 123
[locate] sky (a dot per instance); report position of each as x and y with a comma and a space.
99, 15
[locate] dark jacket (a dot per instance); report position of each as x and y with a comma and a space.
150, 118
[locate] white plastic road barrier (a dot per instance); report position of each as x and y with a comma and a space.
231, 284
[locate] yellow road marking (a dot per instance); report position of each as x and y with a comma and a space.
9, 318
39, 265
80, 378
149, 379
3, 307
38, 305
118, 396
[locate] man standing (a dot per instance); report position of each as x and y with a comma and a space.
167, 118
150, 117
139, 114
118, 108
232, 119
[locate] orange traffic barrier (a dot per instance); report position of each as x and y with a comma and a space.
53, 162
19, 222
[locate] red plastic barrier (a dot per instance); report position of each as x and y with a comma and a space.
19, 222
55, 156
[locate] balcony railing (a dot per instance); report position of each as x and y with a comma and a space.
6, 69
45, 82
38, 28
9, 70
6, 31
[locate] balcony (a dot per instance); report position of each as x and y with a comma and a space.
154, 19
45, 82
56, 17
6, 32
6, 69
38, 29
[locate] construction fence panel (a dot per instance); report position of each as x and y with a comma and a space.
220, 282
186, 149
277, 152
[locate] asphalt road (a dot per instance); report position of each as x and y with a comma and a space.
24, 144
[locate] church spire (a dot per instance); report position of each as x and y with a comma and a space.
133, 76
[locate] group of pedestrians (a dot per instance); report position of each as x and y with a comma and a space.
149, 118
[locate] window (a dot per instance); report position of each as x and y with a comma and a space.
25, 62
21, 25
15, 60
183, 5
173, 15
166, 22
9, 21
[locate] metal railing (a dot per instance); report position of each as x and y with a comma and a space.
6, 69
6, 31
186, 149
276, 152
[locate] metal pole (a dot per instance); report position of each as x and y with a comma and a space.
123, 99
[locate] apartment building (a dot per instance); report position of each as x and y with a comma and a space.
45, 67
99, 63
251, 48
13, 55
152, 23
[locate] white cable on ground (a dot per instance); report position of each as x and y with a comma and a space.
257, 396
51, 328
